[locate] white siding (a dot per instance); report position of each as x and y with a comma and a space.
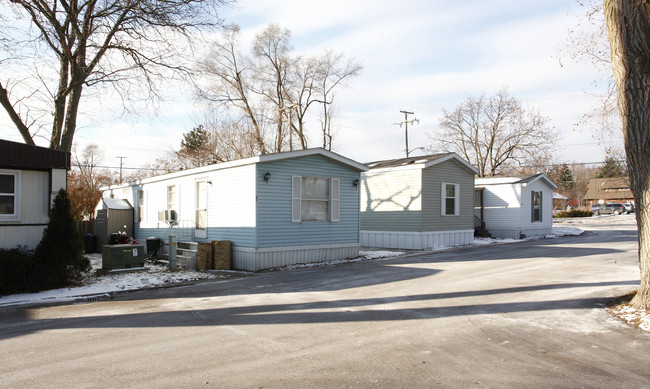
507, 211
34, 201
502, 206
232, 198
230, 192
547, 208
388, 191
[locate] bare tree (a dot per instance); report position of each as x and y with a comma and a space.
71, 45
230, 76
587, 43
274, 91
628, 29
334, 72
495, 133
272, 49
84, 180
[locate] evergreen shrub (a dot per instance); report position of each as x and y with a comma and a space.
574, 213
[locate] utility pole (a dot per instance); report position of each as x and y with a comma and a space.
406, 124
121, 158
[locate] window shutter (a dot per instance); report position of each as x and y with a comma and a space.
532, 207
296, 195
457, 199
335, 196
443, 194
540, 206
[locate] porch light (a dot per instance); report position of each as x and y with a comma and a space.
356, 183
267, 175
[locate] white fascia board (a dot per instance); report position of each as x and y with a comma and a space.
545, 179
412, 166
455, 156
496, 180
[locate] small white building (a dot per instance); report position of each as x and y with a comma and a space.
515, 207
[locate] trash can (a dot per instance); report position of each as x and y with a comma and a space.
89, 243
153, 247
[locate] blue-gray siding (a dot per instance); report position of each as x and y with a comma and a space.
274, 225
450, 172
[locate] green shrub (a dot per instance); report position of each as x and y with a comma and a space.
574, 213
61, 249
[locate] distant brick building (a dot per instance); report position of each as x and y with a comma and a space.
610, 190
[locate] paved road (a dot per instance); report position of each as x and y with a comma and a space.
520, 315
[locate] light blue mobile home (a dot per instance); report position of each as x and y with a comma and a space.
418, 203
276, 209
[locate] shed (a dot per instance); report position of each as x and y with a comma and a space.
113, 215
276, 209
422, 202
516, 207
30, 177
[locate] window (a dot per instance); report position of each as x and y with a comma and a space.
9, 195
450, 199
171, 197
536, 206
315, 199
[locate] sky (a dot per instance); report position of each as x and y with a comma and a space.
420, 56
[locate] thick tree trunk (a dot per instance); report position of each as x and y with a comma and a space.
628, 29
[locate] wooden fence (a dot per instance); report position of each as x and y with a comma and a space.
85, 227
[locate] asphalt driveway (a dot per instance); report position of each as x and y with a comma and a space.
520, 315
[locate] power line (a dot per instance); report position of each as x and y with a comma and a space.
406, 131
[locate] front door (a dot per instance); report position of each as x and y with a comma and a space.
201, 218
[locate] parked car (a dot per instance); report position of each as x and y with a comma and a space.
629, 207
609, 209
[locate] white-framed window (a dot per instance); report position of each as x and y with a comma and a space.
315, 199
171, 197
10, 195
535, 206
450, 199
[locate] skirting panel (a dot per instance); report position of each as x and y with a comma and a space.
416, 240
250, 259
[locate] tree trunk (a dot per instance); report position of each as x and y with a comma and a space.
628, 29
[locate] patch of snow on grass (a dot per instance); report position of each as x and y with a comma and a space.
567, 231
380, 254
363, 256
94, 284
486, 241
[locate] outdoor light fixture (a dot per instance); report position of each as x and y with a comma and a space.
356, 183
267, 175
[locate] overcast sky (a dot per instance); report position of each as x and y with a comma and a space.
420, 56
